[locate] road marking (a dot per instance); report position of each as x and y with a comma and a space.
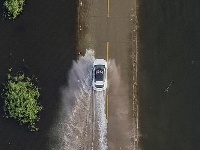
107, 107
107, 50
108, 13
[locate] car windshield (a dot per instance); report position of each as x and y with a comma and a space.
99, 73
99, 86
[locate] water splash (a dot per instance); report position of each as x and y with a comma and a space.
101, 123
73, 128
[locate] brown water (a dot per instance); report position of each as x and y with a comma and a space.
169, 52
44, 36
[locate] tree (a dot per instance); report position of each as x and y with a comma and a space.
14, 7
21, 100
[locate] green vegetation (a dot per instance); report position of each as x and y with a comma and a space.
21, 100
14, 7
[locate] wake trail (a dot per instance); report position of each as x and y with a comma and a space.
73, 128
100, 120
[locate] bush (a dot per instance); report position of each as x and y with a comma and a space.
14, 7
21, 100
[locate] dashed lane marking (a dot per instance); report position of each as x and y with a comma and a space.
108, 5
107, 51
107, 107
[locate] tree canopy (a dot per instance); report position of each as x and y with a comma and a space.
14, 7
21, 100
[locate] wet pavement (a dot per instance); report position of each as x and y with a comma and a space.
110, 26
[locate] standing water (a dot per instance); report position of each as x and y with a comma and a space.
169, 74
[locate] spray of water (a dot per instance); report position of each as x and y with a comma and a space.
100, 120
73, 129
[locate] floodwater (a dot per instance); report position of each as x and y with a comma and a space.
44, 36
169, 71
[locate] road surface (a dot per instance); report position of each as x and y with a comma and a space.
110, 32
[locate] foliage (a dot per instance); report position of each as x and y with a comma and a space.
21, 100
14, 7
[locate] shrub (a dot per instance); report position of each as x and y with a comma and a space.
21, 100
14, 7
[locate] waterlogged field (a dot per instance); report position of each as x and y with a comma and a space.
81, 123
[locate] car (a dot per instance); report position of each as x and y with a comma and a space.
99, 82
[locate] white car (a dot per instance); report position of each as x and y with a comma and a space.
99, 81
